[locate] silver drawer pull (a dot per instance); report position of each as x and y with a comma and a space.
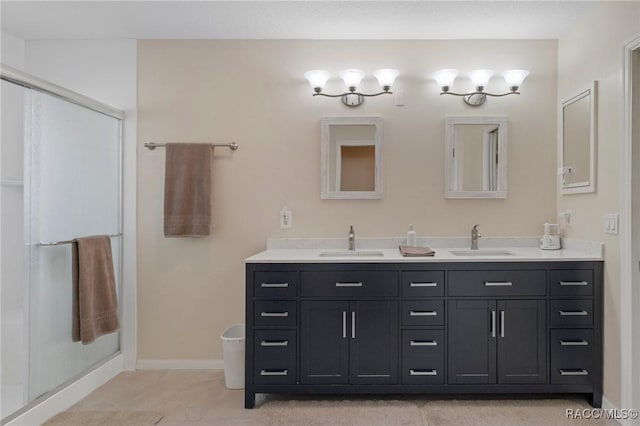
274, 285
423, 313
423, 343
423, 372
274, 314
274, 372
498, 284
573, 313
274, 343
423, 285
573, 372
574, 343
573, 283
339, 284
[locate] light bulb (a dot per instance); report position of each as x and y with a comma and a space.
445, 78
386, 77
514, 78
480, 78
352, 78
317, 79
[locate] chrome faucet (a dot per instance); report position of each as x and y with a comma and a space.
352, 239
475, 234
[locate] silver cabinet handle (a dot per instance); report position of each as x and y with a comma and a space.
344, 324
274, 314
339, 284
423, 285
573, 372
574, 343
274, 343
423, 343
353, 325
274, 372
501, 323
573, 283
423, 372
274, 285
573, 313
423, 313
498, 284
493, 323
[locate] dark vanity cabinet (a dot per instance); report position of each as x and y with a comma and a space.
349, 342
424, 327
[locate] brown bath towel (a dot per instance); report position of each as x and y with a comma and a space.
187, 190
95, 305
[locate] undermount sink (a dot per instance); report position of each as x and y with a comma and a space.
481, 253
352, 253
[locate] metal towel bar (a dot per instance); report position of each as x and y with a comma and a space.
57, 243
153, 145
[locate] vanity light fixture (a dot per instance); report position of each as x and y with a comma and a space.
352, 78
479, 78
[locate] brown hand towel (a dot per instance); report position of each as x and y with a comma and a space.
187, 190
410, 251
95, 305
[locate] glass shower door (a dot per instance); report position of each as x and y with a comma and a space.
73, 189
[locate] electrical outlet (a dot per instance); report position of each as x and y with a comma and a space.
286, 218
566, 217
611, 223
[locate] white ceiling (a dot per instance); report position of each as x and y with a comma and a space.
381, 19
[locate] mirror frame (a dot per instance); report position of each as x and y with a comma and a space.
449, 166
579, 187
325, 158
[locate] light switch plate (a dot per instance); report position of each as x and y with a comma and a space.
611, 223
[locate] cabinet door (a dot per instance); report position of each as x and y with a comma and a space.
472, 330
324, 342
374, 335
522, 343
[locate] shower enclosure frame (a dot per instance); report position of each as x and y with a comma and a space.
28, 81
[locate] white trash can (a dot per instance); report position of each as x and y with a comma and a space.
233, 356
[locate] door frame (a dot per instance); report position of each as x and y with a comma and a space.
629, 220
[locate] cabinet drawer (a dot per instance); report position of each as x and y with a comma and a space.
571, 313
572, 356
275, 356
349, 283
417, 371
497, 283
423, 312
277, 284
571, 282
275, 313
423, 344
423, 284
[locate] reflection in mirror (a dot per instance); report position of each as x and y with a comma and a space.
351, 157
475, 163
578, 143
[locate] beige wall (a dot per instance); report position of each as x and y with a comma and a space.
593, 51
253, 92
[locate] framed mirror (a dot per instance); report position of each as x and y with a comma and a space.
476, 157
351, 157
577, 155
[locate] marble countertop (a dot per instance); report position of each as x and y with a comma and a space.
385, 250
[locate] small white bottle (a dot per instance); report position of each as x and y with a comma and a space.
411, 237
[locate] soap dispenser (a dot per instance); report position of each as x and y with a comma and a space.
411, 237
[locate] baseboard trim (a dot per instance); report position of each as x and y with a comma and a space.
66, 397
180, 364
